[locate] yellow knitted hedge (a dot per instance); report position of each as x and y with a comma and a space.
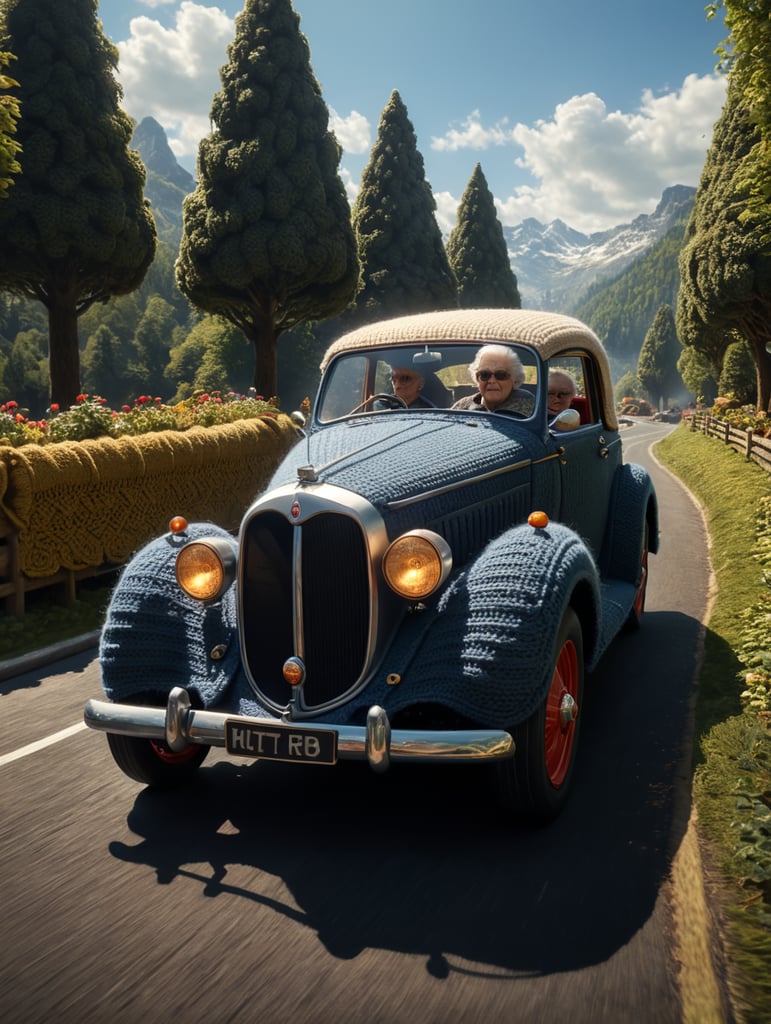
78, 504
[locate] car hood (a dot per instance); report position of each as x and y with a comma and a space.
393, 456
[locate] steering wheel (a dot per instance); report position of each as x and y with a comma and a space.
392, 401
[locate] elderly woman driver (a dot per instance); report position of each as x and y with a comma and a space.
498, 373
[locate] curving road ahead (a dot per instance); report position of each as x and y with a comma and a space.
267, 893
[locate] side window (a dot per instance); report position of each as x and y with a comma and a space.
572, 386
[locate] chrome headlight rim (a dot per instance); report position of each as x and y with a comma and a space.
402, 549
216, 568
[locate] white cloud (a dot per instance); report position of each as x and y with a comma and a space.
595, 168
446, 211
353, 132
473, 135
155, 3
172, 74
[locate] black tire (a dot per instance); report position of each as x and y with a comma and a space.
154, 763
535, 783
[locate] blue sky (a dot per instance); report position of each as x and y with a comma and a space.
578, 111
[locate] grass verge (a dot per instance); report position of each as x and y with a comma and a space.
48, 620
732, 754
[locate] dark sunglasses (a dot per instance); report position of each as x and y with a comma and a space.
498, 374
560, 394
402, 378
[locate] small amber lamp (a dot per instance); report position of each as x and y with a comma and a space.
539, 520
177, 524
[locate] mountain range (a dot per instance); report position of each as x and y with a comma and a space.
555, 265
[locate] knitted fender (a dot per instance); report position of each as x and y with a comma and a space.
487, 649
632, 500
155, 637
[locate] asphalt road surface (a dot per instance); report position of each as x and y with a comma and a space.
281, 894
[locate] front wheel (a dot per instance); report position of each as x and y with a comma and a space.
153, 762
536, 782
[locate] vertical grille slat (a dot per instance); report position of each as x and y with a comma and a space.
335, 604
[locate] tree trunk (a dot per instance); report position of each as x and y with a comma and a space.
63, 349
763, 372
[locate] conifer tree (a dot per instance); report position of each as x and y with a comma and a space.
75, 227
267, 239
405, 268
725, 262
477, 251
737, 378
657, 364
9, 116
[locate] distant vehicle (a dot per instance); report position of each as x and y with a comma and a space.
415, 584
635, 407
668, 416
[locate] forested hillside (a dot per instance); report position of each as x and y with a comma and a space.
622, 310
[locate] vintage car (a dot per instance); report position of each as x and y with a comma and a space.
416, 584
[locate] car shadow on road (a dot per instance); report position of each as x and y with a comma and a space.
422, 861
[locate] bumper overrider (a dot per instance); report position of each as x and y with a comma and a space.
180, 725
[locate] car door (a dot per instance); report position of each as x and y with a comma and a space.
588, 457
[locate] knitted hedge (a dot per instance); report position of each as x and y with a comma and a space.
78, 504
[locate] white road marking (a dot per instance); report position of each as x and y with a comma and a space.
32, 748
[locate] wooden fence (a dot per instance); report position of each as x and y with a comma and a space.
751, 444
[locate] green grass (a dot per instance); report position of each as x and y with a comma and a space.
49, 620
732, 755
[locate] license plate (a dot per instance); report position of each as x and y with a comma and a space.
281, 742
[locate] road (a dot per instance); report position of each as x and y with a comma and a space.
280, 894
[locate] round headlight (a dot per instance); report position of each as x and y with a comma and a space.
417, 563
206, 568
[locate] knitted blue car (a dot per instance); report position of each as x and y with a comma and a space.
428, 576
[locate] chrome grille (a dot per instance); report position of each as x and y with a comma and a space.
325, 567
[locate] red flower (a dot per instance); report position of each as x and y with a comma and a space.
54, 407
81, 398
126, 408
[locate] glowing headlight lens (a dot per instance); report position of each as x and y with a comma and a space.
417, 563
205, 569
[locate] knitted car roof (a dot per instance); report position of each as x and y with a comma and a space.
550, 334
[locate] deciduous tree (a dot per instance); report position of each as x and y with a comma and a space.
405, 268
75, 227
267, 239
477, 251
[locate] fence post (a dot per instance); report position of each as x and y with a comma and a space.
748, 452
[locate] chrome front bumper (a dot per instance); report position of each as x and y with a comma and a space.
178, 725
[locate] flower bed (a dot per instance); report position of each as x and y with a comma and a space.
91, 417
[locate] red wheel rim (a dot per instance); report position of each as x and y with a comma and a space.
559, 733
639, 598
169, 756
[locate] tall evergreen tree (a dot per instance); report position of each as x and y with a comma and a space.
405, 268
477, 251
737, 377
9, 117
725, 264
657, 365
76, 228
747, 55
267, 239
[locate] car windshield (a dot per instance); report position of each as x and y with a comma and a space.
425, 377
